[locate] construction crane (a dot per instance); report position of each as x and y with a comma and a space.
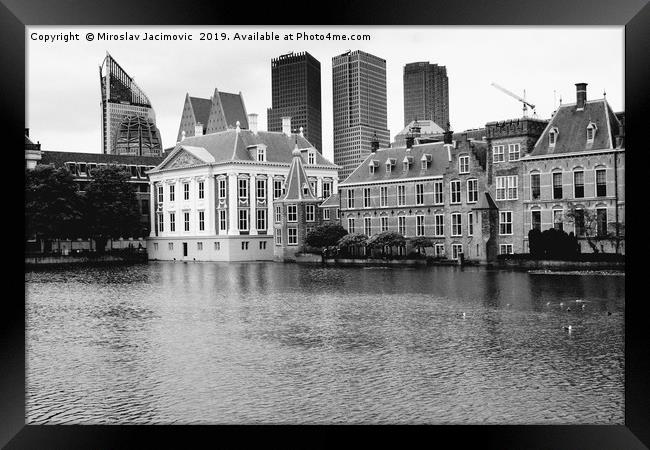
522, 100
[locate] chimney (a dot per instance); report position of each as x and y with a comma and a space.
581, 95
447, 136
252, 122
409, 141
374, 144
198, 129
286, 125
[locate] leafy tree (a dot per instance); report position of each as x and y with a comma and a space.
111, 206
535, 243
421, 243
326, 235
552, 244
53, 206
387, 239
616, 235
352, 241
586, 224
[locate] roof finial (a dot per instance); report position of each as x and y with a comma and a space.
237, 128
301, 129
183, 135
604, 93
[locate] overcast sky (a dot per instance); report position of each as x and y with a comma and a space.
63, 92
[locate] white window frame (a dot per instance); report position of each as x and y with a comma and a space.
419, 225
242, 223
463, 164
439, 225
172, 221
582, 172
326, 214
223, 188
261, 188
472, 198
186, 191
456, 250
383, 196
327, 189
401, 195
223, 220
507, 247
438, 193
350, 198
504, 225
456, 224
367, 226
498, 154
419, 193
514, 149
277, 189
260, 216
161, 195
383, 223
513, 186
201, 220
292, 213
470, 224
278, 236
401, 225
242, 188
310, 213
172, 193
186, 221
201, 189
453, 183
350, 224
292, 232
366, 197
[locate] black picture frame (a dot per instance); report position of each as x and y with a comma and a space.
633, 14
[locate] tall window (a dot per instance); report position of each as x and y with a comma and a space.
384, 223
350, 198
311, 158
505, 222
278, 236
513, 152
557, 219
501, 188
261, 219
160, 194
470, 224
512, 187
277, 188
419, 194
222, 188
223, 220
278, 214
201, 220
498, 154
439, 222
366, 197
578, 184
199, 245
367, 226
201, 189
472, 191
186, 191
243, 220
186, 221
326, 214
507, 188
383, 196
161, 225
327, 189
243, 188
463, 164
292, 213
601, 221
172, 193
310, 213
419, 225
350, 225
172, 222
535, 186
552, 137
456, 250
601, 183
244, 245
401, 197
456, 224
579, 222
454, 187
536, 220
438, 198
557, 186
217, 246
292, 236
439, 250
261, 154
261, 189
401, 225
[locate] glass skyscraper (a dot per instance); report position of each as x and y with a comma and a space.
426, 93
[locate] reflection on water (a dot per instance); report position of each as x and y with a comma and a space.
285, 343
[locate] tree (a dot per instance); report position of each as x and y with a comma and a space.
111, 206
421, 243
352, 241
386, 239
586, 224
535, 244
616, 235
53, 206
323, 236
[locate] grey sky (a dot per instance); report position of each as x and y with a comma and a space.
63, 94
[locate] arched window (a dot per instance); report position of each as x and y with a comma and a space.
591, 132
552, 136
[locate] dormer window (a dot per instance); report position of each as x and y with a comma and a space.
311, 157
373, 166
591, 132
552, 136
424, 161
305, 189
406, 163
390, 162
261, 154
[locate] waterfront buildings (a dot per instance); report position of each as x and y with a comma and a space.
220, 112
426, 93
359, 104
128, 118
574, 177
296, 93
436, 190
212, 197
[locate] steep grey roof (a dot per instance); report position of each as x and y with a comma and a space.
297, 187
331, 201
437, 166
572, 129
201, 107
426, 127
231, 145
234, 110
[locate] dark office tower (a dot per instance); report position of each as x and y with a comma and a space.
426, 93
295, 93
128, 119
360, 113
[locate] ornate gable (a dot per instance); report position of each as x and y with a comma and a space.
182, 159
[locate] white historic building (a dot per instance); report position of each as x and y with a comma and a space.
212, 197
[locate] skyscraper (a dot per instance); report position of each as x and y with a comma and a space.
295, 93
360, 113
128, 119
426, 93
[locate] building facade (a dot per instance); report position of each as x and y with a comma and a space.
218, 113
128, 118
212, 197
359, 104
574, 178
296, 93
436, 190
426, 93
